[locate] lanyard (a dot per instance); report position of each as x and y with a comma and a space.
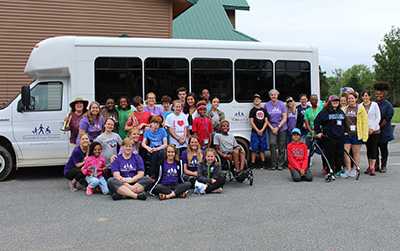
314, 114
139, 118
353, 119
205, 126
76, 116
208, 170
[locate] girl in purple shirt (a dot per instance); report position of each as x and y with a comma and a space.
92, 122
291, 118
170, 182
151, 107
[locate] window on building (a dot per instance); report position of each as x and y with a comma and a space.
214, 75
292, 78
46, 97
252, 76
164, 75
115, 77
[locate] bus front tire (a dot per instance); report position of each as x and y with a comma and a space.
6, 163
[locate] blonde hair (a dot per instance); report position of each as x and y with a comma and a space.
127, 141
190, 151
130, 131
211, 150
147, 96
293, 108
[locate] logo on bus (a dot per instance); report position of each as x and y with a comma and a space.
239, 118
41, 132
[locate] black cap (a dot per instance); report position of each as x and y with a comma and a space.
256, 96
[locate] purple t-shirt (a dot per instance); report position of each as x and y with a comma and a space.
155, 111
77, 156
170, 174
192, 166
93, 131
275, 113
128, 168
291, 121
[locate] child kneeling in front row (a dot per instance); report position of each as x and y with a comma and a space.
228, 148
298, 158
209, 172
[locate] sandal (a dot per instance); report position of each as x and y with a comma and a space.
162, 196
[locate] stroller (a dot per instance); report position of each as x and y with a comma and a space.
316, 148
229, 172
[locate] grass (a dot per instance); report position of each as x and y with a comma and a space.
396, 117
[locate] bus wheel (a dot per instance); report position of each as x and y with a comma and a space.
245, 146
6, 163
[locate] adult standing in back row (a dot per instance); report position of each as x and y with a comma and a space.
277, 127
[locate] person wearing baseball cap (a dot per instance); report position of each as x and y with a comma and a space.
297, 154
332, 121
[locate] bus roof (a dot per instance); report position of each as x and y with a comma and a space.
54, 56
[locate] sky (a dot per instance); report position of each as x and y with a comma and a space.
346, 33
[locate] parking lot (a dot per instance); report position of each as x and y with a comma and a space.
38, 212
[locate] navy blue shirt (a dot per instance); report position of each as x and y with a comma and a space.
330, 123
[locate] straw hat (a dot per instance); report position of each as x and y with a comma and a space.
85, 102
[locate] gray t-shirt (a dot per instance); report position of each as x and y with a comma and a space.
109, 146
227, 143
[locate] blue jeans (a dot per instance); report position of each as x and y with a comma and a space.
94, 182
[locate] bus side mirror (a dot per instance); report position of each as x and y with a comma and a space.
25, 95
25, 98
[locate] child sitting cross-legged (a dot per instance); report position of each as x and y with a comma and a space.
228, 148
298, 158
209, 173
170, 182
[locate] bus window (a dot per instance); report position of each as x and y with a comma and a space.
115, 77
46, 96
214, 75
292, 78
252, 76
164, 75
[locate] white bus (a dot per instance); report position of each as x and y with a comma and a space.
95, 68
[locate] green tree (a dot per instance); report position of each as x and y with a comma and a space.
387, 60
359, 77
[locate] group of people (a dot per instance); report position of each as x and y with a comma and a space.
168, 151
175, 142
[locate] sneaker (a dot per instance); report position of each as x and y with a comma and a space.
182, 195
141, 196
368, 171
280, 168
72, 187
89, 190
218, 190
352, 173
116, 196
341, 175
372, 172
251, 165
264, 165
162, 196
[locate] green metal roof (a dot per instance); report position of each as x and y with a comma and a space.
207, 19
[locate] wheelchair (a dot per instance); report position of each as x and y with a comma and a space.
229, 172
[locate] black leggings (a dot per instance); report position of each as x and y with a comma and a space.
219, 183
177, 189
334, 151
372, 146
74, 173
384, 150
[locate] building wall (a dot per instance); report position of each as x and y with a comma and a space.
23, 23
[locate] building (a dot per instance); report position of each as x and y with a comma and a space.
25, 23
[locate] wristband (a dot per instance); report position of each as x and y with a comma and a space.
225, 156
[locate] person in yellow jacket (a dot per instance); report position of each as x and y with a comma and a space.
356, 131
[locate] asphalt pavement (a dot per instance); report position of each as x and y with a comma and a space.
38, 212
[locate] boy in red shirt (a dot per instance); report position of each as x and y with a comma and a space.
298, 158
202, 126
